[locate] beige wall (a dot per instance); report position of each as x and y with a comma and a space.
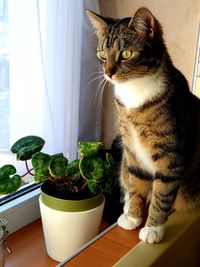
180, 20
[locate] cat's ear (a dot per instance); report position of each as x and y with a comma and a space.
143, 22
97, 22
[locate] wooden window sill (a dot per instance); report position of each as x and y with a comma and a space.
118, 247
29, 250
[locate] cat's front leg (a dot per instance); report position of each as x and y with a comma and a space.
163, 197
125, 220
136, 192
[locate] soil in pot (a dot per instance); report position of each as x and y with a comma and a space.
58, 190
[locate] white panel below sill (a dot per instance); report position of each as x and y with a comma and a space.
21, 211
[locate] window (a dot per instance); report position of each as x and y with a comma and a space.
43, 86
9, 95
5, 129
4, 77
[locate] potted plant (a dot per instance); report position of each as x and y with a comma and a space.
72, 201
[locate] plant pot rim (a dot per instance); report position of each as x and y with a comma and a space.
72, 205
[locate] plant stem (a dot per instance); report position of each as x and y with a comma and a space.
84, 185
71, 184
28, 170
26, 174
52, 179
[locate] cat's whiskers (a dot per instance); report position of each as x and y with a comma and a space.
94, 79
95, 90
98, 92
96, 72
101, 93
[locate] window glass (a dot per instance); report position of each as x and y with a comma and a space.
4, 78
5, 104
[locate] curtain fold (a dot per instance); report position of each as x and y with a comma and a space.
52, 51
62, 70
91, 91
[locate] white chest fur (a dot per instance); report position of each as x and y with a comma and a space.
141, 152
136, 92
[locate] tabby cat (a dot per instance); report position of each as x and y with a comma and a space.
159, 122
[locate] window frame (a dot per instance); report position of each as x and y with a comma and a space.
196, 65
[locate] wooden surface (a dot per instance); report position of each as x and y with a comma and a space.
107, 250
29, 248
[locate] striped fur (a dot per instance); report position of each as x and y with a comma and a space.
159, 122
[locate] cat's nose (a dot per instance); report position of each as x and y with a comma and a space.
110, 70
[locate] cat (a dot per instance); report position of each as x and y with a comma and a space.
159, 121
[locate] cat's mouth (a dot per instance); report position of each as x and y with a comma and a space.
110, 79
117, 79
114, 79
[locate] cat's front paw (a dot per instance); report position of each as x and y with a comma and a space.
152, 234
127, 222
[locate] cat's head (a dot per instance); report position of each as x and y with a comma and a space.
128, 48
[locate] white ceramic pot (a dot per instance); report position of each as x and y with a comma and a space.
66, 231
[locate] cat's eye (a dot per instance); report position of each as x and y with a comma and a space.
126, 54
102, 55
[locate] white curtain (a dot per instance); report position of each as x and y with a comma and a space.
50, 62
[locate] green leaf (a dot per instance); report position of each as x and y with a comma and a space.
89, 149
75, 175
92, 168
27, 146
110, 170
108, 186
73, 169
109, 165
94, 187
58, 166
109, 158
40, 162
9, 180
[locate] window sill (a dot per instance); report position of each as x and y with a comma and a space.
28, 245
21, 211
180, 246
